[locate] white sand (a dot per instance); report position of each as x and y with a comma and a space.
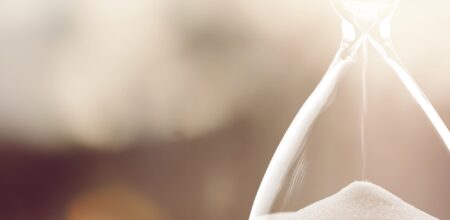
357, 201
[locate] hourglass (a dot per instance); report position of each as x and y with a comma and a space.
367, 143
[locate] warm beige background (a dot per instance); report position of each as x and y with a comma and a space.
169, 109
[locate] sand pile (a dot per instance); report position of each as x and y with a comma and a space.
357, 201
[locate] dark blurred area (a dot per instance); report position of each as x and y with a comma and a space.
163, 110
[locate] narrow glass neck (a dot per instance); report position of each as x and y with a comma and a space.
381, 31
365, 17
365, 23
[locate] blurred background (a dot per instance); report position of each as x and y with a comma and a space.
169, 109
